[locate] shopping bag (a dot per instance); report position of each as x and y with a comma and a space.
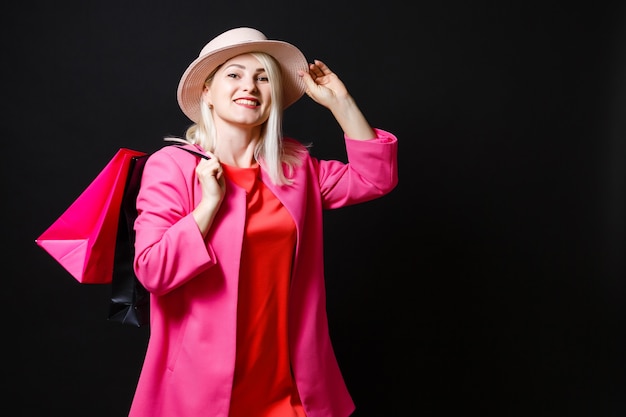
83, 238
94, 239
130, 301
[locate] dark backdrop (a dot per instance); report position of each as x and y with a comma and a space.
489, 282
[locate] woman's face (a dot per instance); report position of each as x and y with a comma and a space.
240, 92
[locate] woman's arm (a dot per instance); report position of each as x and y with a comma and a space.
325, 88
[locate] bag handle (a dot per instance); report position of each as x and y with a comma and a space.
191, 151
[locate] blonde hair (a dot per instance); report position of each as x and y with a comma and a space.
277, 156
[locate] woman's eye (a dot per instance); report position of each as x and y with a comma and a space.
232, 75
263, 78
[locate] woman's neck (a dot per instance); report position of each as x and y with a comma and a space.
235, 147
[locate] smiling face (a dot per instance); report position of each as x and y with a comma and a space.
239, 92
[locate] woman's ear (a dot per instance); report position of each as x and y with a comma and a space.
206, 97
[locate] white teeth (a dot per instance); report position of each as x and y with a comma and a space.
247, 102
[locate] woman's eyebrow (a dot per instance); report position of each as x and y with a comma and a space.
261, 69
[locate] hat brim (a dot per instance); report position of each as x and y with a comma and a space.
290, 59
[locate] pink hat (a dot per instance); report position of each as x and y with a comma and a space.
230, 44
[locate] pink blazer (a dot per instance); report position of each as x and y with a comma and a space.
189, 363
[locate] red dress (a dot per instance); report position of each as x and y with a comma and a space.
263, 384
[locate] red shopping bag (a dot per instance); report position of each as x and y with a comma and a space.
83, 238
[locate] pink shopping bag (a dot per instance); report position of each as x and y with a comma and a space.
83, 238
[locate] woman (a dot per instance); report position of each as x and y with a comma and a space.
230, 247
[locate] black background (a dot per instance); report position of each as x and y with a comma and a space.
489, 282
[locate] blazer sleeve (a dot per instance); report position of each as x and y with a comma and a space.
169, 247
371, 171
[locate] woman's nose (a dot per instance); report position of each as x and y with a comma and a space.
249, 84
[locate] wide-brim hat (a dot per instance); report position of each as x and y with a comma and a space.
230, 44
